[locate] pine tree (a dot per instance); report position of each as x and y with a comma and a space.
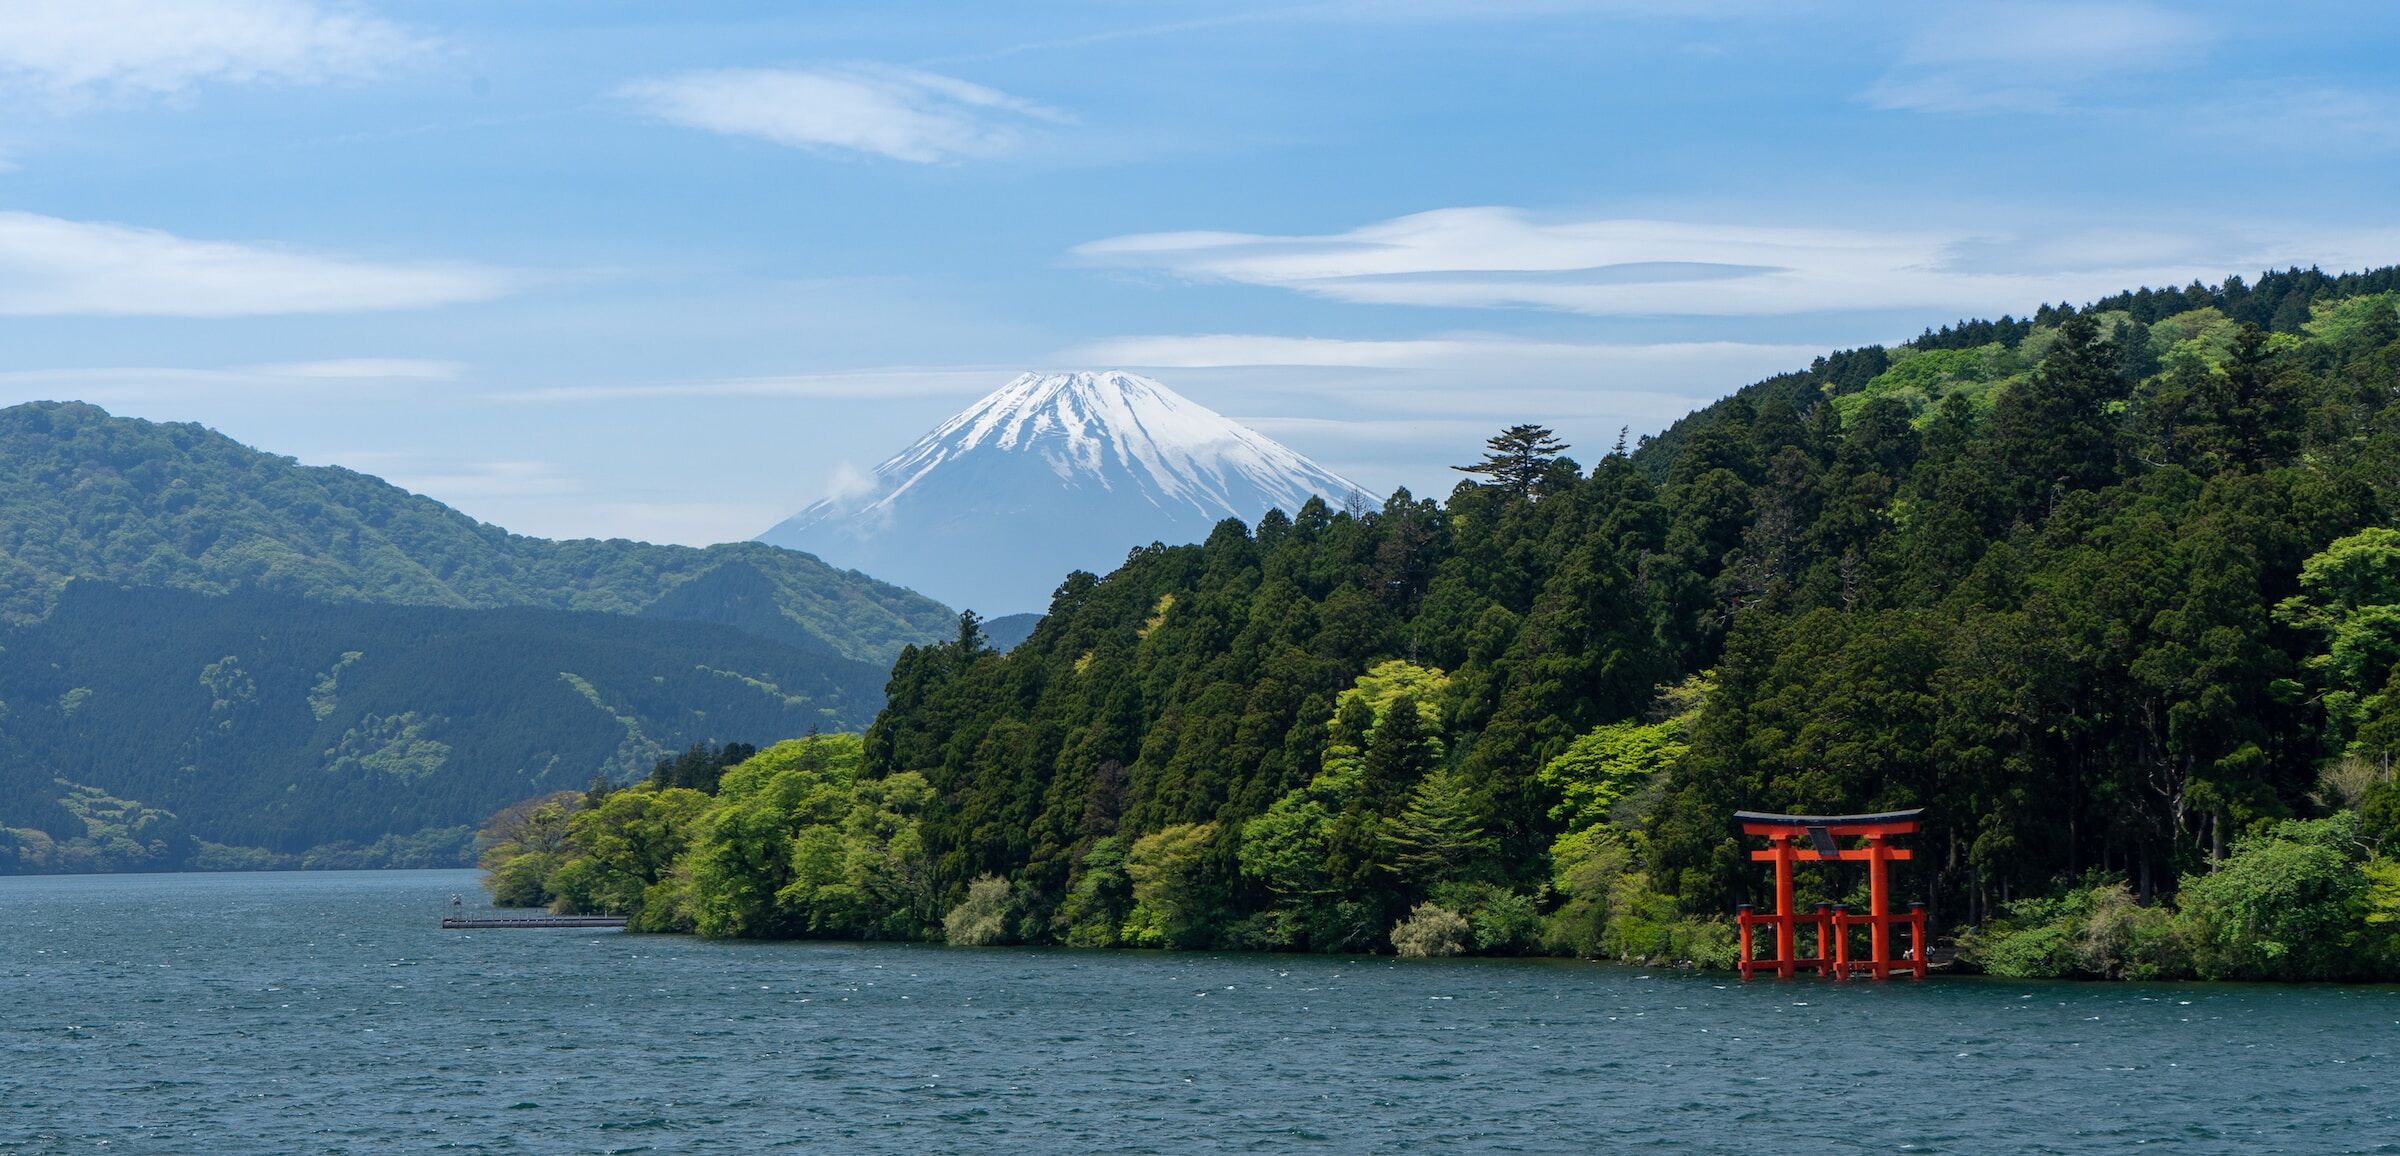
1518, 457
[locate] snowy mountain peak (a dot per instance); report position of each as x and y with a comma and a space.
1110, 426
1054, 471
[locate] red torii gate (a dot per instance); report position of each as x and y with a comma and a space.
1833, 923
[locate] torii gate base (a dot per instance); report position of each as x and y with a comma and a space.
1832, 924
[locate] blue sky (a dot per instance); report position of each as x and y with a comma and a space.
666, 271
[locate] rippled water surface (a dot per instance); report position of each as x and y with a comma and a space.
327, 1013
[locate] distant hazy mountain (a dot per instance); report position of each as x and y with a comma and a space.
1053, 473
87, 495
212, 656
145, 728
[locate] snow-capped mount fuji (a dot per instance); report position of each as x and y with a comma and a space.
1052, 473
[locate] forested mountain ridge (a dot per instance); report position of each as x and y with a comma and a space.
151, 729
87, 495
2109, 593
2279, 302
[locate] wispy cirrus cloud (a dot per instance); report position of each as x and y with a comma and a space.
76, 52
357, 378
1492, 257
365, 369
1491, 355
2032, 57
1375, 381
831, 385
50, 266
901, 113
1379, 410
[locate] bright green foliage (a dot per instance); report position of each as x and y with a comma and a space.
1430, 932
523, 845
1382, 807
1607, 763
2298, 901
1917, 380
2383, 903
2289, 904
1286, 848
398, 745
1172, 887
1376, 691
624, 854
798, 843
2097, 931
981, 919
2351, 596
1094, 911
1437, 838
325, 697
2351, 320
1500, 921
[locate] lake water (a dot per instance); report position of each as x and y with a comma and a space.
327, 1013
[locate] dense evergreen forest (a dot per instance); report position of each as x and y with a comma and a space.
150, 729
87, 495
2111, 591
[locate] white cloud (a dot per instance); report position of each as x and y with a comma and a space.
861, 384
51, 266
849, 480
2032, 57
77, 51
894, 112
1388, 13
367, 369
1502, 257
1378, 411
347, 379
1489, 356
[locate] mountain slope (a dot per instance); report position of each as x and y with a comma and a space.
141, 716
1048, 474
87, 495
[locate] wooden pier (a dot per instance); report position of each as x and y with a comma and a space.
477, 922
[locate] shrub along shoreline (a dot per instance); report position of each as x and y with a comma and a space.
794, 842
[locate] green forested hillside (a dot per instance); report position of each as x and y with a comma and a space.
150, 729
87, 495
2107, 591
